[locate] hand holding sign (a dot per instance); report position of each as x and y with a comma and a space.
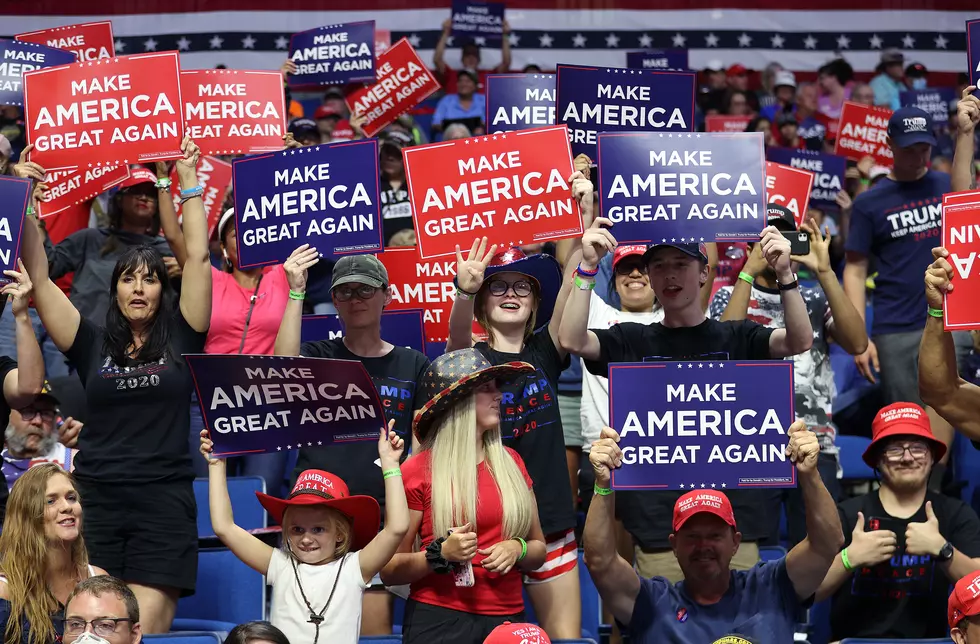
460, 546
469, 272
924, 538
582, 189
605, 456
968, 110
297, 264
803, 448
938, 278
390, 447
207, 448
818, 261
597, 242
19, 289
776, 250
187, 165
870, 548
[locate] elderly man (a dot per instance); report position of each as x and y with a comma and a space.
102, 610
32, 437
762, 604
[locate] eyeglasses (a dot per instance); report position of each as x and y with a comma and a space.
916, 450
103, 626
28, 413
344, 293
627, 268
521, 288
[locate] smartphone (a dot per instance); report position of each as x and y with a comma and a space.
799, 242
463, 574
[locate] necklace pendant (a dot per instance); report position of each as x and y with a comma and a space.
316, 619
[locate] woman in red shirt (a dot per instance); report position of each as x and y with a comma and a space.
480, 528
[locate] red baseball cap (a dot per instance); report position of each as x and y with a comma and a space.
520, 633
901, 419
737, 70
711, 501
326, 111
626, 251
138, 176
342, 131
964, 601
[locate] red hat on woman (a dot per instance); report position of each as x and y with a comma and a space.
316, 487
901, 419
520, 633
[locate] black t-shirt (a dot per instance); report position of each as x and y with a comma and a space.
531, 425
396, 377
648, 515
396, 210
138, 413
904, 597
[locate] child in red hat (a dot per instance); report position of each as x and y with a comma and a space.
331, 548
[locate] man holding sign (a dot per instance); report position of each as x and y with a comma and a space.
763, 603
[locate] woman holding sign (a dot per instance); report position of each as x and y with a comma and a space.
134, 466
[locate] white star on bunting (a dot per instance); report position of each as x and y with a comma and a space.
646, 41
514, 39
744, 40
810, 42
216, 42
183, 44
248, 42
777, 41
941, 42
149, 45
874, 42
578, 40
119, 46
843, 42
679, 40
282, 42
908, 41
414, 40
711, 40
545, 40
612, 40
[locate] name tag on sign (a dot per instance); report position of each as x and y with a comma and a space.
323, 195
702, 425
258, 404
685, 188
961, 237
400, 328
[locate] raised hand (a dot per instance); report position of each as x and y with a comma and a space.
776, 250
19, 289
582, 192
390, 447
207, 447
297, 265
968, 110
187, 165
818, 260
597, 241
69, 431
939, 278
470, 271
605, 455
803, 448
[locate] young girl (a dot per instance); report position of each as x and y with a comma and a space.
331, 547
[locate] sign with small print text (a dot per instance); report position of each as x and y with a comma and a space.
658, 59
74, 186
961, 238
333, 55
259, 404
113, 111
323, 195
511, 188
934, 101
828, 172
658, 187
789, 187
702, 425
482, 22
403, 328
519, 102
88, 41
14, 196
17, 58
863, 131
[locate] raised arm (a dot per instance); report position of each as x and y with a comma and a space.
567, 283
380, 550
614, 577
195, 287
22, 384
440, 54
940, 386
245, 546
738, 305
808, 562
469, 279
290, 329
168, 218
407, 566
505, 59
797, 337
964, 174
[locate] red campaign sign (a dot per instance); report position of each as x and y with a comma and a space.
723, 123
70, 187
403, 83
112, 111
422, 284
863, 131
789, 187
89, 40
382, 41
234, 112
512, 188
961, 237
214, 175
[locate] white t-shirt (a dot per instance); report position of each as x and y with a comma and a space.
595, 389
342, 620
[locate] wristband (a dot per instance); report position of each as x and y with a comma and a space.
586, 273
294, 295
523, 548
844, 560
584, 285
745, 277
396, 471
790, 286
164, 183
458, 289
30, 211
187, 195
602, 491
936, 313
463, 295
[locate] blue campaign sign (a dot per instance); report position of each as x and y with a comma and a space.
658, 59
519, 101
973, 52
257, 404
323, 195
478, 20
934, 101
402, 328
17, 58
14, 195
592, 100
828, 172
700, 424
658, 187
333, 55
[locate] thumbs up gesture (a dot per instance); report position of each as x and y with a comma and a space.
924, 538
870, 548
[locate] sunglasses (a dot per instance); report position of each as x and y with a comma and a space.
521, 288
626, 268
344, 293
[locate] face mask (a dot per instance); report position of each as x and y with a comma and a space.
90, 638
918, 83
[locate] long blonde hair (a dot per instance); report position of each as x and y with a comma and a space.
24, 556
454, 466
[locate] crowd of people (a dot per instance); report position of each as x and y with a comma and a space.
470, 495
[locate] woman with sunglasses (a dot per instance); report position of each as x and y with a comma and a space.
359, 290
518, 300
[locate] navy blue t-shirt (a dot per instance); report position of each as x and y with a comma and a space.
760, 605
900, 224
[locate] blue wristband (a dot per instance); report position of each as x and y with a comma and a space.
191, 192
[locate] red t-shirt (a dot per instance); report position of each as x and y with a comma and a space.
491, 593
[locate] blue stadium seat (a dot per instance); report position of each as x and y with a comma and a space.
197, 637
227, 590
862, 640
772, 553
249, 513
381, 639
182, 625
851, 448
966, 462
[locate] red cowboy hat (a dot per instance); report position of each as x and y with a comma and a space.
316, 487
901, 419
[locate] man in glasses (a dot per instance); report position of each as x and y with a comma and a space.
904, 544
105, 609
359, 290
36, 434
